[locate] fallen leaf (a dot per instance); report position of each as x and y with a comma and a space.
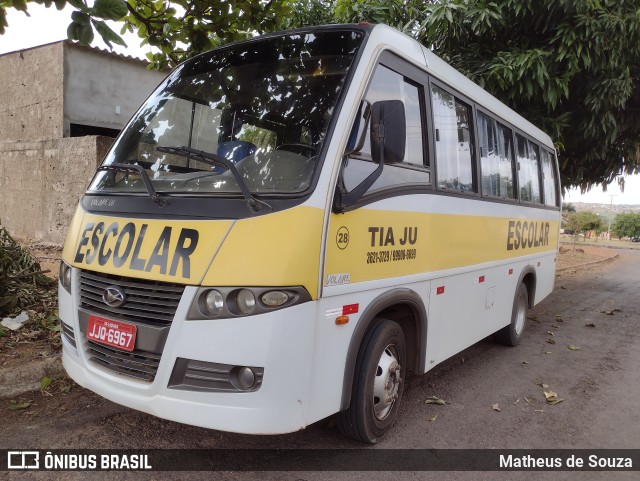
591, 324
14, 406
552, 397
433, 418
525, 362
573, 348
517, 401
496, 407
550, 333
45, 382
610, 312
436, 400
544, 386
66, 389
551, 341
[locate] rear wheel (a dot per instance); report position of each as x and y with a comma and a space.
511, 335
378, 384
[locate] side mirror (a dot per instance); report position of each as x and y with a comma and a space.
388, 134
388, 131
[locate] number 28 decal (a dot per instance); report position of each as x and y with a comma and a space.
342, 238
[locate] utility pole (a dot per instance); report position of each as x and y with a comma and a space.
610, 215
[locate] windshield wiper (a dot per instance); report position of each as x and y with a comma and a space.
137, 169
217, 161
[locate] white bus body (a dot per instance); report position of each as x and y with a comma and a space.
190, 300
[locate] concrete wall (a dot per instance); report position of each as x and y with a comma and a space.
41, 183
31, 106
44, 90
104, 90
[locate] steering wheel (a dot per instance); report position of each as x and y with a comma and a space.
298, 148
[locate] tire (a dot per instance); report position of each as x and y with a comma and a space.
512, 334
378, 384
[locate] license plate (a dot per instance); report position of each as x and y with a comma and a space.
112, 333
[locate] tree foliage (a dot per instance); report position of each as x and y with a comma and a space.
626, 225
571, 67
583, 222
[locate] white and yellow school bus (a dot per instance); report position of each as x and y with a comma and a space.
291, 225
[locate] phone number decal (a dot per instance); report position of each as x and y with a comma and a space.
390, 255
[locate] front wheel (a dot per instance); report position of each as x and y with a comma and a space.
512, 334
378, 384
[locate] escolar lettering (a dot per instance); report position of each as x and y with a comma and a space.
525, 234
94, 245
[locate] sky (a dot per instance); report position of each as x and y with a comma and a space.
46, 25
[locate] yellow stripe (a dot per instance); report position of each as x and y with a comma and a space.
281, 249
163, 250
432, 242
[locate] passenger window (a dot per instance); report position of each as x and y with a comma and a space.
496, 158
388, 85
549, 178
454, 158
528, 176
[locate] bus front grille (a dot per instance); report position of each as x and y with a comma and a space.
138, 364
150, 305
147, 302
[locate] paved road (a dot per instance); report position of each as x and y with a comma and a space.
599, 385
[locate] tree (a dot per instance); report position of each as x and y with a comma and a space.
581, 223
570, 67
626, 225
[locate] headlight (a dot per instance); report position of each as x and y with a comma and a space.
227, 302
246, 301
211, 303
65, 276
274, 298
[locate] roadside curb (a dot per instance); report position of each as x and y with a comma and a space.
587, 264
17, 381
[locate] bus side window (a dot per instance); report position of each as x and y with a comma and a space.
454, 157
528, 170
496, 158
388, 85
549, 178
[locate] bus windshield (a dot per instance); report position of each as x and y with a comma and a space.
264, 106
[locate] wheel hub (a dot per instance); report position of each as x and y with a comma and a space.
387, 382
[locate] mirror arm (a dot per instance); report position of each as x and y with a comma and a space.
346, 199
366, 115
